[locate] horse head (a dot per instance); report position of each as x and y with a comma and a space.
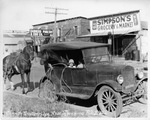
49, 56
30, 51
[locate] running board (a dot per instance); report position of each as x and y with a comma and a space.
81, 96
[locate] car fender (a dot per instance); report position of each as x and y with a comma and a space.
113, 84
143, 79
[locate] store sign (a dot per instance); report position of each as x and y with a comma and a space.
47, 32
125, 23
40, 32
35, 32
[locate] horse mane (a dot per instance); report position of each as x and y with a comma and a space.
26, 48
52, 56
50, 53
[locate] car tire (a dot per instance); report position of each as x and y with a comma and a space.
143, 87
109, 101
47, 91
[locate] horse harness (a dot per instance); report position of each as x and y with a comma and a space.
49, 75
15, 64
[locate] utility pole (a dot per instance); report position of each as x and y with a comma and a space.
55, 13
113, 40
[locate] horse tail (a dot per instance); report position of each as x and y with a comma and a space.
5, 63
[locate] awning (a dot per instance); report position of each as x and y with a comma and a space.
106, 33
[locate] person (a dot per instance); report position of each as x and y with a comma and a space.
71, 63
6, 53
80, 65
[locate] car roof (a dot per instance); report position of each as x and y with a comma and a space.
72, 45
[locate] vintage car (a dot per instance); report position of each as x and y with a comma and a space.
112, 85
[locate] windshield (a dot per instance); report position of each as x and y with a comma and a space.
96, 55
100, 58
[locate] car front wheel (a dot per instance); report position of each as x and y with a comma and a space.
109, 101
142, 87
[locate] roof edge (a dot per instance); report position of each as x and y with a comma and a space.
59, 20
113, 14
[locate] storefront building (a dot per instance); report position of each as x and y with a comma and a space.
66, 29
123, 31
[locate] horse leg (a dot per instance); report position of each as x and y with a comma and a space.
5, 77
28, 80
11, 83
23, 83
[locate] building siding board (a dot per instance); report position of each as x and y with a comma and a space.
85, 27
68, 27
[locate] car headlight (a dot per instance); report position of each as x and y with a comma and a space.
140, 74
120, 79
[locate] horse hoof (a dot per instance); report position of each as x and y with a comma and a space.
13, 88
12, 85
29, 90
4, 87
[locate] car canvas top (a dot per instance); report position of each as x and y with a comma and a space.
72, 45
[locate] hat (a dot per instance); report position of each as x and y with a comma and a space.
71, 61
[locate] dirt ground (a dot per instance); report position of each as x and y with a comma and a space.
137, 109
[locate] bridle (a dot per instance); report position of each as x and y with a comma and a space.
31, 52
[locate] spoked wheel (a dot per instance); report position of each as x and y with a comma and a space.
109, 101
47, 91
142, 88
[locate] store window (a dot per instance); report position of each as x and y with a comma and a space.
76, 30
59, 32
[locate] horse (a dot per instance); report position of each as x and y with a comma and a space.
49, 59
20, 63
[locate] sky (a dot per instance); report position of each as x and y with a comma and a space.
22, 14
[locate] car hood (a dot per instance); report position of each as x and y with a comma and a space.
106, 67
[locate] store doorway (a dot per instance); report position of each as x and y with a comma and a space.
118, 46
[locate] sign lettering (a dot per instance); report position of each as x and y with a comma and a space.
126, 22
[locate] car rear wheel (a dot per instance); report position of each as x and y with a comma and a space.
109, 101
47, 91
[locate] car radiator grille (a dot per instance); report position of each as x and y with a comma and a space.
129, 79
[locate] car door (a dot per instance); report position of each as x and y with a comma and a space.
78, 76
67, 77
74, 80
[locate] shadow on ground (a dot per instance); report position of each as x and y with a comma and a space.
82, 102
33, 85
71, 100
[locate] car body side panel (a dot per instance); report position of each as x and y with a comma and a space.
67, 76
85, 80
97, 73
78, 76
91, 78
